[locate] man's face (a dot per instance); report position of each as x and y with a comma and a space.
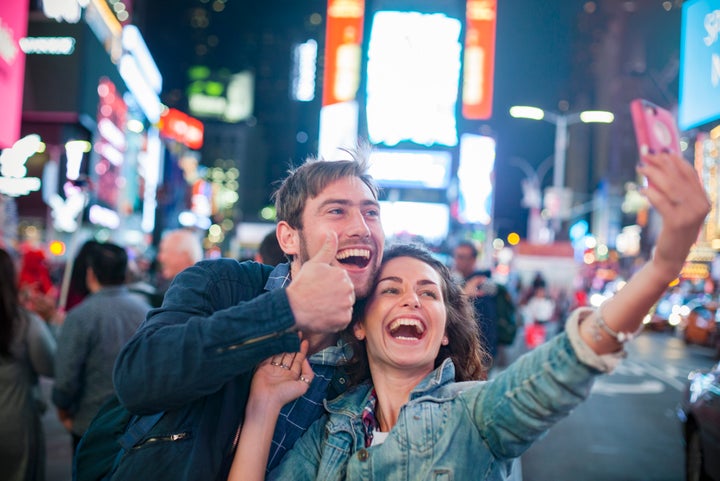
464, 260
172, 259
348, 208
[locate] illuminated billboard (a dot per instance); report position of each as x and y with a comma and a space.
343, 46
13, 27
475, 179
699, 63
413, 74
479, 59
408, 220
411, 168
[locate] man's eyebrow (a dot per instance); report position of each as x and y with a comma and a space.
364, 203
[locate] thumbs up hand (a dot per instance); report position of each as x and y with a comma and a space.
322, 294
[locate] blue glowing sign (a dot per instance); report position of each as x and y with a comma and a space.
699, 63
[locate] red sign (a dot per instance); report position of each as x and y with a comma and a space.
13, 27
479, 59
343, 47
179, 126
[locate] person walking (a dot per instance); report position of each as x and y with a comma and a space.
27, 351
93, 333
481, 290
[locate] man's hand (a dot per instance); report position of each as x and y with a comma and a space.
322, 295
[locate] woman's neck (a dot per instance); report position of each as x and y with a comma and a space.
393, 392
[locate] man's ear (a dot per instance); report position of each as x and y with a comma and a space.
288, 238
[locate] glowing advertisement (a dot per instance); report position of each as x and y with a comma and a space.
475, 179
479, 59
407, 220
699, 63
13, 27
343, 50
413, 73
407, 168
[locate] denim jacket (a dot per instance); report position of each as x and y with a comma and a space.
449, 430
194, 359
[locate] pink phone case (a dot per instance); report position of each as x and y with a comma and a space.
655, 128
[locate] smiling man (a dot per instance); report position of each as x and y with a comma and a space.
195, 356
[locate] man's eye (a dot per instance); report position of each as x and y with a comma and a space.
373, 213
337, 210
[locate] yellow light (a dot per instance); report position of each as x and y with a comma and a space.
57, 248
675, 282
513, 238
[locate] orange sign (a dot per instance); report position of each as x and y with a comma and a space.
343, 50
479, 61
183, 128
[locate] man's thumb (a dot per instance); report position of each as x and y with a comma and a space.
328, 251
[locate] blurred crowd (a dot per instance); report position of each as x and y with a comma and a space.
67, 322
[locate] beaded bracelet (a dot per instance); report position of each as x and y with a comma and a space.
620, 337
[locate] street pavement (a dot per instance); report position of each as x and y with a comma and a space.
58, 443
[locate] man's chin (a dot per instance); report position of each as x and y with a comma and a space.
363, 284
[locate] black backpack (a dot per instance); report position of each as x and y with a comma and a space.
113, 431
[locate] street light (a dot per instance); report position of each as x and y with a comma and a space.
562, 121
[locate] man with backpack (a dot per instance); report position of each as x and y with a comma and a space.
194, 357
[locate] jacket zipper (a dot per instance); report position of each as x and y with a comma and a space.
156, 439
272, 335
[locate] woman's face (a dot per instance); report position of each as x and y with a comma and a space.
404, 321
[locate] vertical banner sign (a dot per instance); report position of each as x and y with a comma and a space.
479, 59
699, 63
13, 27
343, 50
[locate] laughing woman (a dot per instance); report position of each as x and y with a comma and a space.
418, 412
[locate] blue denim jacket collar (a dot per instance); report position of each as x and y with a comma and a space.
353, 402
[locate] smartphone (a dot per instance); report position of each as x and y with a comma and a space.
655, 128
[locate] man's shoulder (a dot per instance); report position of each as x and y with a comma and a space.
228, 269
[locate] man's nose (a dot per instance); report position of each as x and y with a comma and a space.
358, 226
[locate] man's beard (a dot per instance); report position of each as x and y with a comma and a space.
361, 291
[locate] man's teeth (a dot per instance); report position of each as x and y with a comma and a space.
353, 253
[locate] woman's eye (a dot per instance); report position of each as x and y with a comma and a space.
389, 290
431, 294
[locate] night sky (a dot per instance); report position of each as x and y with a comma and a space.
534, 49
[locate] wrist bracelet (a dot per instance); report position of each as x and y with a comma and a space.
620, 337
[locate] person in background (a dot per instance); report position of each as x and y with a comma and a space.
178, 250
77, 287
195, 356
480, 289
269, 251
415, 415
91, 337
27, 350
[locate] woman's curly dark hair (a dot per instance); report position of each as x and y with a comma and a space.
470, 358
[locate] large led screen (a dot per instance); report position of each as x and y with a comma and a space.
408, 220
413, 72
475, 179
699, 63
407, 168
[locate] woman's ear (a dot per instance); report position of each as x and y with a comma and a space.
359, 331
